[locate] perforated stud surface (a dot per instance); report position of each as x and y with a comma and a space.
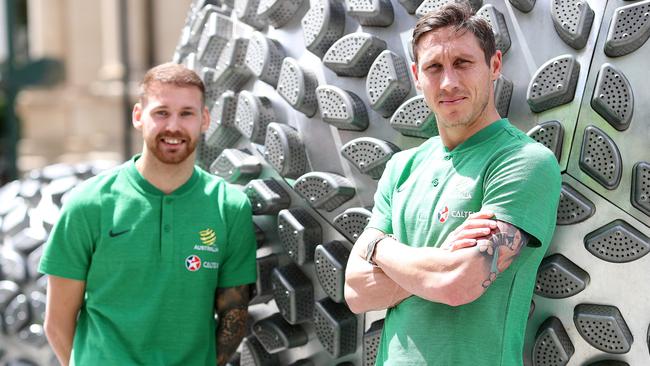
276, 335
336, 327
603, 327
613, 98
293, 294
353, 54
629, 29
377, 13
641, 187
523, 5
617, 242
246, 11
553, 346
253, 354
573, 207
341, 108
331, 259
322, 25
430, 5
264, 58
553, 84
285, 151
222, 132
499, 27
267, 196
572, 20
559, 278
549, 134
352, 222
278, 12
253, 115
299, 233
387, 83
414, 118
600, 158
263, 291
234, 166
231, 71
324, 190
371, 340
369, 154
298, 87
502, 95
215, 36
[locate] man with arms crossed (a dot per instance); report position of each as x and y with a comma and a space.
143, 254
472, 212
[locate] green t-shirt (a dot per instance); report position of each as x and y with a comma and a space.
152, 263
428, 191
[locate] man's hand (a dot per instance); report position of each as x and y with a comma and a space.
477, 225
232, 308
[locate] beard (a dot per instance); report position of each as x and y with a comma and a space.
470, 117
172, 155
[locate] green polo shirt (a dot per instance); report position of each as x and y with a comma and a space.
428, 191
152, 263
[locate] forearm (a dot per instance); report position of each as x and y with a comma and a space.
60, 336
230, 332
369, 288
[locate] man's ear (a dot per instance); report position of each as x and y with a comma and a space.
136, 116
205, 120
495, 65
414, 70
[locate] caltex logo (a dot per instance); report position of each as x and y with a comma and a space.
193, 263
443, 214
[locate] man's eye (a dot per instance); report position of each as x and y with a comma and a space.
162, 113
187, 114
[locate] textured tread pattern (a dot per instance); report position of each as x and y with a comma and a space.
641, 187
336, 327
254, 113
331, 258
617, 242
573, 207
254, 354
600, 158
414, 118
430, 5
341, 108
276, 335
222, 132
231, 71
629, 29
553, 346
246, 11
559, 278
387, 83
267, 196
215, 36
499, 27
236, 166
324, 190
553, 84
278, 12
502, 95
613, 98
293, 294
523, 5
371, 340
263, 290
603, 327
410, 5
572, 20
322, 25
352, 222
298, 87
299, 233
285, 151
264, 58
353, 54
374, 13
369, 154
549, 134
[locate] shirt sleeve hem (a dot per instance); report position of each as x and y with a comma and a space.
529, 227
237, 282
60, 270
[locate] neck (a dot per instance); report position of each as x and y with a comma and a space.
452, 136
165, 177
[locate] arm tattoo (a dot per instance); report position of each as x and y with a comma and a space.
501, 248
232, 308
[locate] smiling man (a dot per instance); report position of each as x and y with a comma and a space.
143, 255
460, 223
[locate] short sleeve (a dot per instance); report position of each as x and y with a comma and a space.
239, 265
381, 218
70, 246
523, 188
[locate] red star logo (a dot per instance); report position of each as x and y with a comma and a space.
443, 214
193, 263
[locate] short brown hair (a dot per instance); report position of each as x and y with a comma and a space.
459, 15
170, 73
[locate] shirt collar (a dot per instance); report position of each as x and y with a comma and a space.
144, 184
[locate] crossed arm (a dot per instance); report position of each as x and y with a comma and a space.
458, 273
232, 309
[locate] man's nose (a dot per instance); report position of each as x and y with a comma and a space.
173, 123
449, 79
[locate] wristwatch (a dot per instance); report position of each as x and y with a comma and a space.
372, 246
